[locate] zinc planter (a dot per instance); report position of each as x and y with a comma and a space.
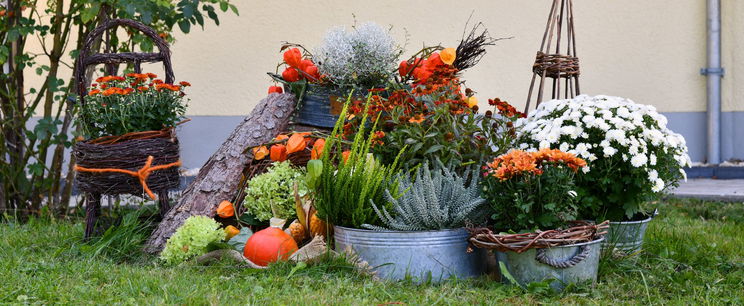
626, 236
422, 256
577, 263
319, 107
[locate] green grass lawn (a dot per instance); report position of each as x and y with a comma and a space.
694, 254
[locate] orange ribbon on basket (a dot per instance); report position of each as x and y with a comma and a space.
141, 174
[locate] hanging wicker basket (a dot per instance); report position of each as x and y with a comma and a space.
129, 155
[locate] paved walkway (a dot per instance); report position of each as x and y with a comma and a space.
710, 189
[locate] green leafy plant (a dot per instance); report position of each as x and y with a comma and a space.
350, 181
192, 239
271, 194
447, 132
114, 108
532, 190
433, 200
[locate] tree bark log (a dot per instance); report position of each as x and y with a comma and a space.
218, 179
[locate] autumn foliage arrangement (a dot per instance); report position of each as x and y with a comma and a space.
137, 102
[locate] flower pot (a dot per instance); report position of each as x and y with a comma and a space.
576, 263
626, 235
319, 107
423, 256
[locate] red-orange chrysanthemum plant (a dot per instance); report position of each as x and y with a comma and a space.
137, 102
532, 190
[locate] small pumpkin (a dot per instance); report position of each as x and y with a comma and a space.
230, 232
226, 209
318, 227
269, 245
297, 231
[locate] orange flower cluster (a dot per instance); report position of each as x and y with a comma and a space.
117, 85
556, 156
505, 109
518, 163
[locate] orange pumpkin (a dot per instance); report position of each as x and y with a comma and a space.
269, 245
226, 209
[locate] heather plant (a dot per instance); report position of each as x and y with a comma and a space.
349, 181
363, 57
432, 199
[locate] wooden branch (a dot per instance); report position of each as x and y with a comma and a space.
218, 179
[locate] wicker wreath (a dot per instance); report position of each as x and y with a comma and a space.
582, 231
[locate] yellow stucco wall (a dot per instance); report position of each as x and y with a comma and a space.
650, 51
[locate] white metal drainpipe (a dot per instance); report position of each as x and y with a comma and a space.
714, 73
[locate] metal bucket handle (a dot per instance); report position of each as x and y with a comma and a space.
541, 255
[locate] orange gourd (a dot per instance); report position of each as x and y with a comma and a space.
225, 210
269, 245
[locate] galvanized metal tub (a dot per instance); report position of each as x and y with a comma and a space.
422, 256
577, 263
626, 236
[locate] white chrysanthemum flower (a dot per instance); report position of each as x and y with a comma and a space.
609, 151
658, 185
639, 160
653, 175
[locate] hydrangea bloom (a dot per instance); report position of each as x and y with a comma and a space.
191, 239
622, 141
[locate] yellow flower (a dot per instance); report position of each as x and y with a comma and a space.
472, 101
448, 56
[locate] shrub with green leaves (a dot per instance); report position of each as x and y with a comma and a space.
192, 239
433, 199
271, 194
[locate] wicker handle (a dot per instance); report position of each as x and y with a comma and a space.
542, 256
85, 59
